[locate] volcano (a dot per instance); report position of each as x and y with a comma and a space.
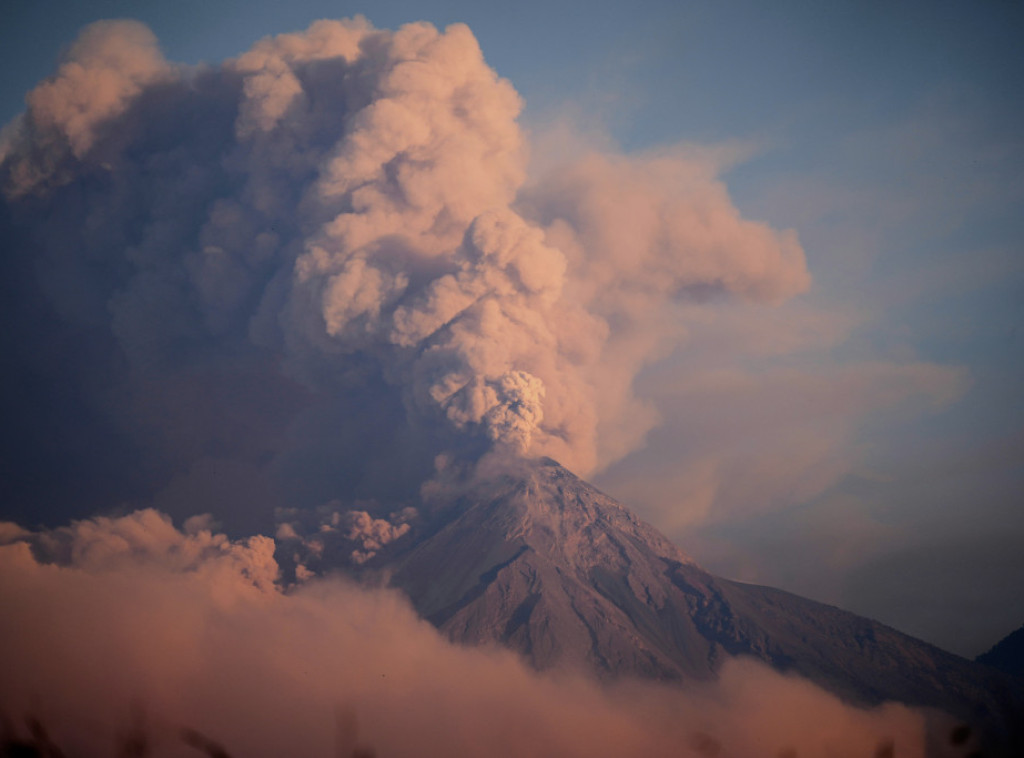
535, 559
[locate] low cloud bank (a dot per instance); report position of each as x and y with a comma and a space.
123, 626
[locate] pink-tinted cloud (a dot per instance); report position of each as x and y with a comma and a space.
139, 622
368, 207
110, 63
745, 433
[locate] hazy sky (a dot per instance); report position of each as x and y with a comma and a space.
860, 443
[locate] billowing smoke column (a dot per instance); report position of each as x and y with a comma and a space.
344, 213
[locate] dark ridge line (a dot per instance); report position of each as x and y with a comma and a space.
438, 618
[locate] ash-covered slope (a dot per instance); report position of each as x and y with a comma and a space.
542, 562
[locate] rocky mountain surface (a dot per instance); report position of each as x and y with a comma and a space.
540, 561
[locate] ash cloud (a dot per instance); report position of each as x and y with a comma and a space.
320, 263
129, 625
337, 534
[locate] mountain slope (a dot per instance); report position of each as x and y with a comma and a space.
540, 561
1007, 654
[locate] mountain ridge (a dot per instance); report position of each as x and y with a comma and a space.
537, 560
1007, 654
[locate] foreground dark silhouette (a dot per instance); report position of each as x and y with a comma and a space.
136, 743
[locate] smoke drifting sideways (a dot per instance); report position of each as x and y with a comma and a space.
311, 269
130, 628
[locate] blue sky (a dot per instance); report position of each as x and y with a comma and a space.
890, 136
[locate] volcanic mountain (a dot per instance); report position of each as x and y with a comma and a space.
537, 560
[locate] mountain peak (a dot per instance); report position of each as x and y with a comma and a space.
531, 557
542, 504
526, 555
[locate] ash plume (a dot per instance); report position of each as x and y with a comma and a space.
321, 262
